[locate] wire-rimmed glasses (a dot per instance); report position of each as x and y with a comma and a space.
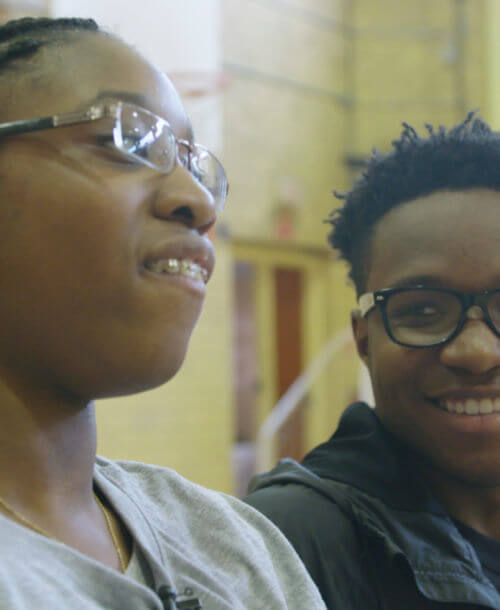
422, 316
143, 137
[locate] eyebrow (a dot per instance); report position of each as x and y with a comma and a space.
426, 280
419, 280
126, 96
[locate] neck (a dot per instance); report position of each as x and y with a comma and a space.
47, 449
47, 454
476, 505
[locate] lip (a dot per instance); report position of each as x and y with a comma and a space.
460, 426
476, 393
187, 247
477, 421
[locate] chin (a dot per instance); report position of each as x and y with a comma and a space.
137, 371
138, 381
476, 474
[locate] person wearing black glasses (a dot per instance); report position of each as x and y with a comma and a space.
106, 201
400, 508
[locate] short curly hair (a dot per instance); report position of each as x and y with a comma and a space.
22, 38
464, 157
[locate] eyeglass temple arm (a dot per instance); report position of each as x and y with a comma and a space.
58, 120
366, 302
15, 127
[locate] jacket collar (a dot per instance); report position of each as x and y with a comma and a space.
364, 454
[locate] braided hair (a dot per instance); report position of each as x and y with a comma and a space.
464, 157
21, 38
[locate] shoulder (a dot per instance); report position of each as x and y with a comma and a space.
303, 513
325, 537
221, 529
168, 489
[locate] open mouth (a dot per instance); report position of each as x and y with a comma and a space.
174, 266
469, 406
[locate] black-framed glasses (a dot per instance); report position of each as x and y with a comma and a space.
142, 137
421, 316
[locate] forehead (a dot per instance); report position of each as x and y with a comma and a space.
449, 238
73, 75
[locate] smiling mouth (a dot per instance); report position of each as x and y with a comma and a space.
174, 266
469, 406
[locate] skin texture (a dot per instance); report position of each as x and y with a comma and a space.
80, 318
453, 240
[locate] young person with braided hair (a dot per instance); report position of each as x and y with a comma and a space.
400, 509
105, 205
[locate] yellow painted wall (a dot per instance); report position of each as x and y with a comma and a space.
408, 66
280, 119
492, 72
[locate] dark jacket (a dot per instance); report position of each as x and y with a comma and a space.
367, 528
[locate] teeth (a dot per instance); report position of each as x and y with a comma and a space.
486, 405
174, 266
472, 406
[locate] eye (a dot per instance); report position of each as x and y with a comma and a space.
137, 141
416, 309
106, 143
417, 314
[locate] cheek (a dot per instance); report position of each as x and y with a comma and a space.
68, 216
397, 376
12, 215
67, 244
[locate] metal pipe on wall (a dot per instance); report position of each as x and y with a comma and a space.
389, 104
343, 26
306, 15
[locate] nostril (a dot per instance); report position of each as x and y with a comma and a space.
183, 214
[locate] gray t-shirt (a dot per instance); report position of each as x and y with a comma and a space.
202, 543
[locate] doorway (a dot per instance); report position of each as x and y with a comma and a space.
272, 342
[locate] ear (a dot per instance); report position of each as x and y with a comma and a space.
360, 333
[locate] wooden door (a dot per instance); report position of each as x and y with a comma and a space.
289, 340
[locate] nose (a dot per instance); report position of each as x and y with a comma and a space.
476, 349
181, 198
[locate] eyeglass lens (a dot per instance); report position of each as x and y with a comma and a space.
145, 137
149, 139
208, 171
426, 317
494, 309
